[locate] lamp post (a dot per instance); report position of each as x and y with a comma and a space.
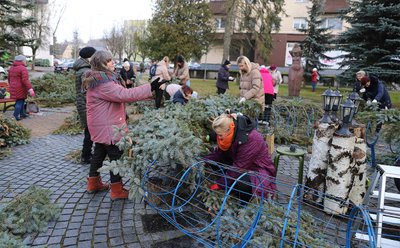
346, 114
355, 98
336, 98
327, 98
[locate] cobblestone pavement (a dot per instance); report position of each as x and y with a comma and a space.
86, 220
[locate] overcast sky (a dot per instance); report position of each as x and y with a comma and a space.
92, 17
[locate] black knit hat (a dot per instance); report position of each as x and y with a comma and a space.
87, 52
227, 62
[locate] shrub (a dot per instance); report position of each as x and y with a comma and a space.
11, 134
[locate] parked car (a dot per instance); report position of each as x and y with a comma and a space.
3, 73
64, 67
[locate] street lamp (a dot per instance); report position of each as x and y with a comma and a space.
346, 114
356, 99
337, 97
327, 102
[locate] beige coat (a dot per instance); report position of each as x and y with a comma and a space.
251, 86
182, 73
162, 71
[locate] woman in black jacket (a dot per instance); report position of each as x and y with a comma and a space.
223, 77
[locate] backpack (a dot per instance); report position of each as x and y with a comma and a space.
152, 71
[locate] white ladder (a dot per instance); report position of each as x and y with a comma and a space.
385, 214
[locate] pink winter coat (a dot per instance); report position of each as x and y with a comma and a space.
105, 104
267, 80
18, 80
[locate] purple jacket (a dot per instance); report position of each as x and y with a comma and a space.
252, 156
105, 104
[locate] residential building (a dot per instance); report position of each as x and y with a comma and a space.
296, 13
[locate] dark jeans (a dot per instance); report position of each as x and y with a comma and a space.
221, 91
87, 145
159, 96
100, 153
19, 108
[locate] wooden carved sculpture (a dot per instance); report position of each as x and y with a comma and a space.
296, 71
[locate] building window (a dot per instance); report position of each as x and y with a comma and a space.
299, 23
332, 23
219, 23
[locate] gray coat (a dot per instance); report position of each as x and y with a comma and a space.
223, 78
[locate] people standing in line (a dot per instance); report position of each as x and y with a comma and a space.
106, 99
81, 65
20, 86
242, 147
268, 92
314, 79
357, 83
183, 95
276, 78
181, 71
163, 74
223, 77
251, 86
127, 75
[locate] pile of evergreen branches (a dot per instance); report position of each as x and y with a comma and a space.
11, 134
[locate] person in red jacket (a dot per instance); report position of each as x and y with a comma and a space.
314, 79
20, 86
105, 105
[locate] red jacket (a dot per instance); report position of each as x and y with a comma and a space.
314, 76
105, 105
18, 80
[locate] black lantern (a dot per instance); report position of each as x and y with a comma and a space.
346, 114
327, 102
356, 99
336, 98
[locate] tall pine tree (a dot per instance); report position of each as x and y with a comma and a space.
373, 40
179, 27
318, 38
12, 21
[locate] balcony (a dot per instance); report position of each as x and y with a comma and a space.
334, 6
218, 7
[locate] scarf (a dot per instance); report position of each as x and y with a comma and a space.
225, 143
94, 78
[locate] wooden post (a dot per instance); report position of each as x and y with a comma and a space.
338, 176
270, 143
315, 177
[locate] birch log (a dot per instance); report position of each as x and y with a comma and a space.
359, 172
338, 176
315, 178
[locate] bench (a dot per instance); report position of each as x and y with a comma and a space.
6, 100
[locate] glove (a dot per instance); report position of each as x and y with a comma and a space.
242, 99
31, 92
362, 90
215, 187
156, 84
369, 103
231, 78
374, 101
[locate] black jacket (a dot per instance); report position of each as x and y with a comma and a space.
223, 78
377, 91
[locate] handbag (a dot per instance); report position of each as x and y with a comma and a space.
32, 107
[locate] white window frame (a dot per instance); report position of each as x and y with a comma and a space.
219, 23
325, 23
299, 23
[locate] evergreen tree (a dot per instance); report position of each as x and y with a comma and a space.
178, 27
373, 40
12, 21
318, 39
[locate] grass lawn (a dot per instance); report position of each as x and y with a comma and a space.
207, 87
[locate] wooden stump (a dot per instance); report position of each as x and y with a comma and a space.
315, 178
269, 139
339, 173
359, 172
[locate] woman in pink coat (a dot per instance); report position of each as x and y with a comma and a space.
18, 79
268, 91
105, 104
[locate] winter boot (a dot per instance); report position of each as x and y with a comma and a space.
118, 191
95, 184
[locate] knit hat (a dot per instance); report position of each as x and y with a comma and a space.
314, 69
20, 58
87, 52
364, 80
227, 62
272, 67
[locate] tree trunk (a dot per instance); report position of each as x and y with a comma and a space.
359, 172
229, 27
315, 177
338, 177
